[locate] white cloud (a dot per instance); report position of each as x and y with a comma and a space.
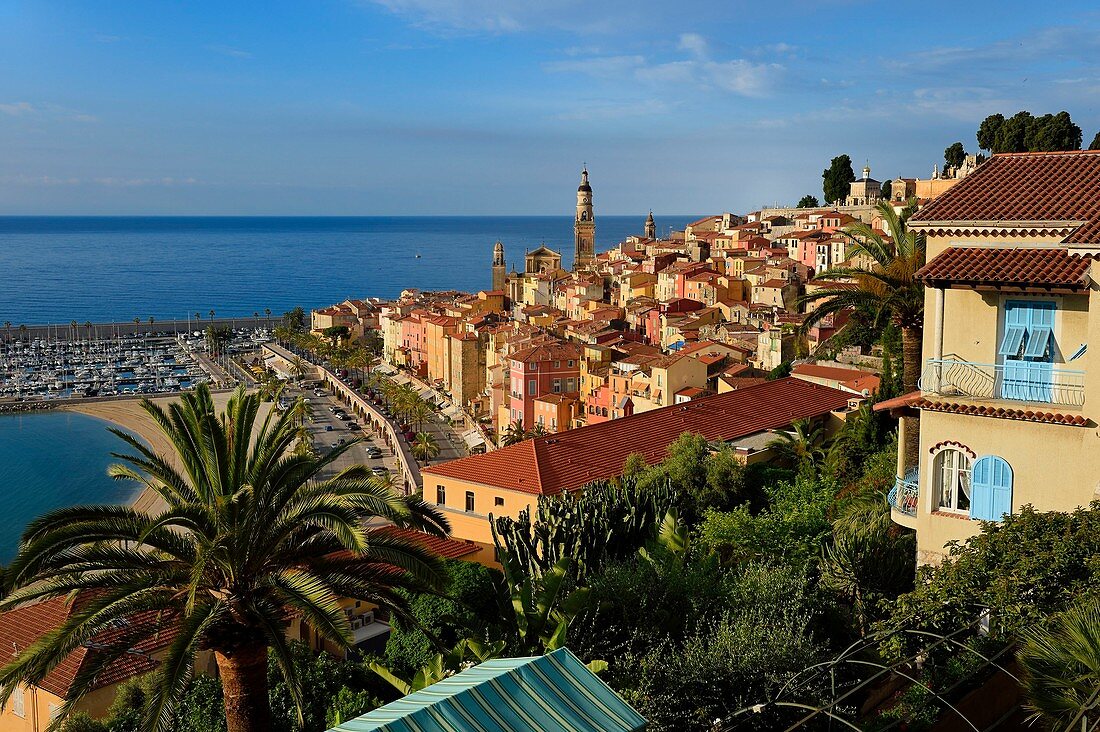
737, 76
694, 44
16, 109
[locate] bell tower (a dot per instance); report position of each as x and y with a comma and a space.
650, 227
500, 275
584, 227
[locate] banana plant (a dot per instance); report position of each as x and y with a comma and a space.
466, 653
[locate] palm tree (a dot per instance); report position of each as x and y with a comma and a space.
887, 288
425, 447
252, 535
1061, 662
802, 446
299, 367
514, 433
420, 412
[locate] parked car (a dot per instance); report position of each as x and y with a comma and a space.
379, 470
374, 453
328, 428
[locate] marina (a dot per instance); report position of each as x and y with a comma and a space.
43, 369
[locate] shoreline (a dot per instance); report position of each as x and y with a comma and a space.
128, 414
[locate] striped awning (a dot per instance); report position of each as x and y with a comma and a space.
551, 693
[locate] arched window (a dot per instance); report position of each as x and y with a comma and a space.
951, 473
992, 490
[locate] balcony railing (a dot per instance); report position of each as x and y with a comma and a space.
903, 496
1022, 381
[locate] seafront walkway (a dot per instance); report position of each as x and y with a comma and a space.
387, 429
448, 436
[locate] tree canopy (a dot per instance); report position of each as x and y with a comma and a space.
954, 155
808, 201
836, 178
1023, 132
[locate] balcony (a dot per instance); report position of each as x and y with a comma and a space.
1021, 381
903, 496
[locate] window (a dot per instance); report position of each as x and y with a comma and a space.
531, 387
992, 489
951, 473
469, 501
570, 384
17, 705
557, 364
556, 386
571, 363
441, 495
498, 501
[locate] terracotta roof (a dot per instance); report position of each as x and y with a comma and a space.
982, 410
547, 352
905, 400
1019, 188
444, 547
571, 459
1007, 265
829, 372
22, 626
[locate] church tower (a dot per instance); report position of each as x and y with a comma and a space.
650, 227
584, 227
500, 274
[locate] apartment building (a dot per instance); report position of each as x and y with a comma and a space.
1008, 403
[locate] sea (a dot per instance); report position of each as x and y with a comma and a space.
107, 269
52, 460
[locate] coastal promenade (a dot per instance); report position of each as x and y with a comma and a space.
386, 428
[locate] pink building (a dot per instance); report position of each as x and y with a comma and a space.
546, 368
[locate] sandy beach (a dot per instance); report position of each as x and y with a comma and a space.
128, 414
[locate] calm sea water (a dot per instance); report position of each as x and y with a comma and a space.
53, 460
58, 269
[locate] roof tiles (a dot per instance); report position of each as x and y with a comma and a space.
1026, 187
1007, 265
571, 459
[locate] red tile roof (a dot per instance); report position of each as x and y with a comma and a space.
444, 547
22, 626
1016, 188
569, 460
1007, 266
982, 410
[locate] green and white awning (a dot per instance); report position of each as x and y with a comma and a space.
551, 693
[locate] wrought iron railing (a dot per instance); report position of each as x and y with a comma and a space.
1023, 381
903, 496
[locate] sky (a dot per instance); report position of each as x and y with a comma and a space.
490, 107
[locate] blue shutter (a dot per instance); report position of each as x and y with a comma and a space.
991, 489
1028, 376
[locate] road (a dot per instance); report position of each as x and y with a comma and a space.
327, 431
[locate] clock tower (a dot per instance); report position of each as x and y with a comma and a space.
584, 227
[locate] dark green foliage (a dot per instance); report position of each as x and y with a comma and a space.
336, 332
727, 660
1026, 567
808, 202
350, 704
1023, 132
793, 527
217, 338
704, 477
322, 677
127, 711
864, 434
607, 519
781, 371
887, 188
202, 708
83, 722
1095, 144
836, 179
467, 607
954, 155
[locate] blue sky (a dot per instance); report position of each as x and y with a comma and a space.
490, 107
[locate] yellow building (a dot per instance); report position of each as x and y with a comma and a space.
1008, 404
